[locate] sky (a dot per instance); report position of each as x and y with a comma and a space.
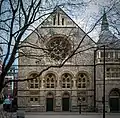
89, 12
92, 12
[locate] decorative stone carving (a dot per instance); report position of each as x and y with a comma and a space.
59, 47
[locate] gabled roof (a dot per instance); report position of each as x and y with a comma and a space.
58, 9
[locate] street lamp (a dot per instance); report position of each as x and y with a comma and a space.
103, 82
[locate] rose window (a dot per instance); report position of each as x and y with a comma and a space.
59, 48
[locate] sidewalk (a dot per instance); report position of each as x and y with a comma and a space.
67, 113
61, 113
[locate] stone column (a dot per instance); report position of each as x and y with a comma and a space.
74, 83
58, 83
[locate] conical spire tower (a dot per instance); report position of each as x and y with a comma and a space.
104, 25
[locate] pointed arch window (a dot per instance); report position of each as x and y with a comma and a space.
82, 80
34, 82
50, 80
66, 80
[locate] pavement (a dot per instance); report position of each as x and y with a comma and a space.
61, 115
69, 115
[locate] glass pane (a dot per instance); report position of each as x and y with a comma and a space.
68, 85
52, 85
84, 85
83, 79
52, 80
68, 79
31, 99
63, 79
63, 86
36, 99
31, 86
36, 85
81, 75
48, 80
48, 86
79, 79
79, 85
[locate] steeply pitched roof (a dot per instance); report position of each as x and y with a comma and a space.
106, 37
47, 22
104, 25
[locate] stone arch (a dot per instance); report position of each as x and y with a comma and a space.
65, 94
30, 73
82, 79
34, 83
114, 100
114, 91
50, 79
66, 79
55, 73
67, 71
50, 94
60, 35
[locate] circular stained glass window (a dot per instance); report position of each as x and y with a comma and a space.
59, 48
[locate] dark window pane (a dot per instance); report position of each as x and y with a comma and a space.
48, 85
31, 86
31, 99
52, 85
63, 86
62, 21
84, 85
68, 85
36, 99
36, 85
79, 85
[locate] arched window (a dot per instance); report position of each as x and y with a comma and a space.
34, 81
50, 80
82, 80
66, 80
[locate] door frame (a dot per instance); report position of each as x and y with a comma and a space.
50, 95
114, 94
65, 95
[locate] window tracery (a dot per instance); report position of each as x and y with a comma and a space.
50, 80
66, 80
59, 47
35, 82
113, 72
82, 80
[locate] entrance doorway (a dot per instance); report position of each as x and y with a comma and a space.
49, 102
114, 101
65, 102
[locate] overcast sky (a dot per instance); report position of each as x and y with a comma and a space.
86, 13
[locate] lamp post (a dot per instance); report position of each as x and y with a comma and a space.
103, 81
94, 80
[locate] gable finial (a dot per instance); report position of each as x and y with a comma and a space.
104, 25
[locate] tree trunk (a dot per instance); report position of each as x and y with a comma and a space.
2, 76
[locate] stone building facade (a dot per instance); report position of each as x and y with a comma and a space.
78, 82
